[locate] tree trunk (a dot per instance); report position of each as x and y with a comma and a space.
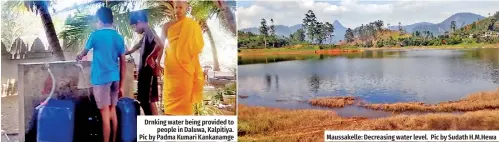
228, 15
51, 33
213, 49
273, 42
265, 41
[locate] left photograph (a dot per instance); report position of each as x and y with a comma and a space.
85, 70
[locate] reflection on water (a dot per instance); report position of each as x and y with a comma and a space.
381, 76
243, 60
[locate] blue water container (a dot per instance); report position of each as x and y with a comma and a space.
56, 121
127, 109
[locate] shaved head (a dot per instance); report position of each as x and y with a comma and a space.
180, 8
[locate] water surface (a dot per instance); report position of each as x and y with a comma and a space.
379, 76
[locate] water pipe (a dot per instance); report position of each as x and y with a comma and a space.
53, 86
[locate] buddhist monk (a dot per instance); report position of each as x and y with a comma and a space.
182, 76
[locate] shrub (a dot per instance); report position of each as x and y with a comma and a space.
469, 40
379, 43
369, 43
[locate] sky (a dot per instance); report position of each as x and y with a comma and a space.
353, 13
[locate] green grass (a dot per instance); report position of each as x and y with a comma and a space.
461, 45
300, 47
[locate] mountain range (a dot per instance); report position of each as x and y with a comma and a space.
461, 19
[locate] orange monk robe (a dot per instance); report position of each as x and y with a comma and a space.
183, 76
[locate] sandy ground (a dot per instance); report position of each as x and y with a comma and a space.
10, 118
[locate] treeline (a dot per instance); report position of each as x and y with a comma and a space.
374, 35
312, 32
253, 41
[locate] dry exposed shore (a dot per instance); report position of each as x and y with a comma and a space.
473, 102
273, 124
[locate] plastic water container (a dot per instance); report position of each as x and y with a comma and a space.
56, 121
127, 109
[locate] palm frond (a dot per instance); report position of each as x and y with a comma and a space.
76, 31
79, 27
33, 6
160, 11
13, 5
204, 10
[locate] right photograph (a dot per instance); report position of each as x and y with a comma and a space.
305, 67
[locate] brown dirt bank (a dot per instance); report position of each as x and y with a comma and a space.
272, 124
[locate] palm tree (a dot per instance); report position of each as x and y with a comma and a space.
204, 10
78, 27
42, 8
158, 11
228, 15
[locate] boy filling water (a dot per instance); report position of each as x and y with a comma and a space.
107, 69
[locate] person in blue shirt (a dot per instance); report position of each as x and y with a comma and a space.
107, 69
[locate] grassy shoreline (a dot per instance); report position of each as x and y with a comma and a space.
299, 49
473, 102
274, 124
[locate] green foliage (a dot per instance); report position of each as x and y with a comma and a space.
316, 31
310, 25
76, 30
79, 26
264, 29
368, 43
219, 95
298, 36
272, 28
368, 31
349, 36
469, 40
475, 33
435, 42
12, 24
230, 89
454, 41
324, 32
249, 40
327, 46
34, 6
453, 25
202, 10
204, 110
379, 43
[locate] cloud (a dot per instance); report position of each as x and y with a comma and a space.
352, 13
